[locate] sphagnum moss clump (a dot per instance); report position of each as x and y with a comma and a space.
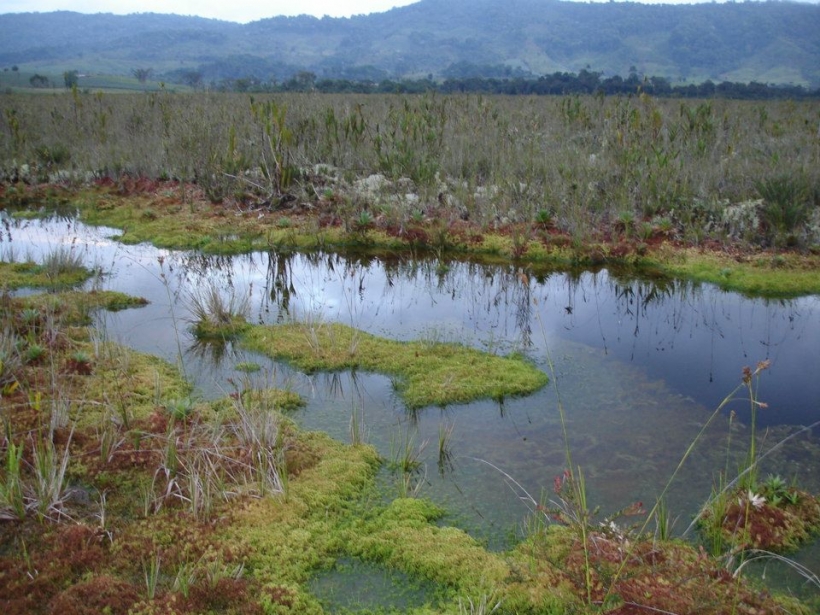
425, 374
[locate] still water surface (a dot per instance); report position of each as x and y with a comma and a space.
637, 365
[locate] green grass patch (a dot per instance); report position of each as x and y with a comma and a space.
248, 367
425, 373
33, 275
214, 229
766, 275
75, 307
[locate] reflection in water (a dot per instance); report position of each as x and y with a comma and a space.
640, 363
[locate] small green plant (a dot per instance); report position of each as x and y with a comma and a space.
663, 524
785, 205
625, 223
485, 605
216, 570
665, 226
405, 455
12, 501
778, 492
711, 521
544, 218
151, 576
364, 220
180, 409
184, 578
645, 231
80, 362
10, 360
34, 352
62, 261
48, 489
358, 428
80, 356
445, 453
257, 429
30, 318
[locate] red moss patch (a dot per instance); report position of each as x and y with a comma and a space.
653, 576
100, 594
771, 528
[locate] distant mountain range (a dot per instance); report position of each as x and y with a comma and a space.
768, 42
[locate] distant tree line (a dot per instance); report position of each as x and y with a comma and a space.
559, 83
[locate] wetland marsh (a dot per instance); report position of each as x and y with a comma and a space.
339, 355
638, 366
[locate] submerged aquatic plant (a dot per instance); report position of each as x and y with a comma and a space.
357, 426
445, 453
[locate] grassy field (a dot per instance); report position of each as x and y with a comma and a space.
583, 165
20, 82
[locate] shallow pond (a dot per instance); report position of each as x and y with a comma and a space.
638, 367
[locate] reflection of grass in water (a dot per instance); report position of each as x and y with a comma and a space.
354, 585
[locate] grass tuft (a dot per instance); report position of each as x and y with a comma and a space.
215, 316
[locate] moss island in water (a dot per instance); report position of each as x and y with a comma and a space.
425, 373
120, 493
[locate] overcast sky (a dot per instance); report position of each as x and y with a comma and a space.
241, 11
237, 10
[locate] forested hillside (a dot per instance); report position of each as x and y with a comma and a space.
768, 42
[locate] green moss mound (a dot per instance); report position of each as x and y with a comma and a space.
425, 373
33, 275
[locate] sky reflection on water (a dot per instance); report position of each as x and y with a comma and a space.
639, 364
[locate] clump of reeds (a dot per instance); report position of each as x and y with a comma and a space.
62, 261
786, 206
217, 316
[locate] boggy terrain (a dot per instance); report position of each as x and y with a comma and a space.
122, 492
721, 191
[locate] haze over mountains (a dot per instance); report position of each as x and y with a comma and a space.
768, 42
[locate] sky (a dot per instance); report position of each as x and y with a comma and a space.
241, 11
